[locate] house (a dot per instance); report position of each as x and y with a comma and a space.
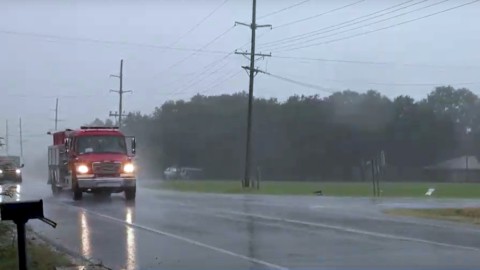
459, 169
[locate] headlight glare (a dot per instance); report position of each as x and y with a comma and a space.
129, 168
82, 168
18, 171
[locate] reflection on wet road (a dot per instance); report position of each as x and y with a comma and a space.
131, 248
12, 192
168, 230
85, 234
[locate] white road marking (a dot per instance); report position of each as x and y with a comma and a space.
187, 240
351, 230
333, 227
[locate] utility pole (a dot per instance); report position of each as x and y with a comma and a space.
6, 137
120, 92
56, 120
56, 114
252, 72
21, 139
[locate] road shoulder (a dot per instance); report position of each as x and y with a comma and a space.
42, 255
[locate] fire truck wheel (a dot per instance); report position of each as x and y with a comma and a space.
77, 194
130, 194
55, 189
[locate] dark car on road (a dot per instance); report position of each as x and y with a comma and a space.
9, 171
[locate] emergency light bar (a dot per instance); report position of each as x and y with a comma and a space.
85, 127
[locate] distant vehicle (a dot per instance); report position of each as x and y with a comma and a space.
11, 169
171, 173
190, 173
182, 173
93, 160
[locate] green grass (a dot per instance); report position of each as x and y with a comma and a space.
443, 190
41, 256
466, 215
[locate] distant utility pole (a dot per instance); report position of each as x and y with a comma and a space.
252, 72
6, 137
120, 92
56, 115
21, 139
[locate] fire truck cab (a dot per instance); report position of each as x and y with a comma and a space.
92, 160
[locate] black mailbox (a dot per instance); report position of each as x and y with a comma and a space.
22, 210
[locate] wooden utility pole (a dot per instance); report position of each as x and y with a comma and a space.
6, 137
120, 92
251, 70
56, 114
21, 139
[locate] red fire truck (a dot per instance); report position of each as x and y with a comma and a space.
93, 160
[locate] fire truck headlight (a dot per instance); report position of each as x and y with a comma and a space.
18, 171
1, 171
82, 169
129, 168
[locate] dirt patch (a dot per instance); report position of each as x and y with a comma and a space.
466, 215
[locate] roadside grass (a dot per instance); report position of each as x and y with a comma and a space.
354, 189
40, 256
465, 215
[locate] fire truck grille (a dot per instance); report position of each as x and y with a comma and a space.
109, 168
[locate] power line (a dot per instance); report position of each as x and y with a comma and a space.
317, 87
205, 69
308, 34
358, 27
383, 28
416, 84
51, 96
185, 88
368, 62
404, 83
199, 23
211, 87
318, 15
283, 9
90, 40
212, 64
323, 89
203, 47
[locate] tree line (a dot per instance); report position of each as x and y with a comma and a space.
307, 137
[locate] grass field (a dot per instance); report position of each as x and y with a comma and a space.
41, 256
466, 215
443, 190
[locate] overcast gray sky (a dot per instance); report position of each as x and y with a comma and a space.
69, 48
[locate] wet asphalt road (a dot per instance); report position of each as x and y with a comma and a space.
169, 230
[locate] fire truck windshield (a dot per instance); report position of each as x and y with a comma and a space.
101, 144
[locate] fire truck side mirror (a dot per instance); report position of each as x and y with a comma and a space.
134, 145
67, 146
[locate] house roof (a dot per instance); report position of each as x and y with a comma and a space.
458, 163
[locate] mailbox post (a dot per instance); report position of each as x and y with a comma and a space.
20, 213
